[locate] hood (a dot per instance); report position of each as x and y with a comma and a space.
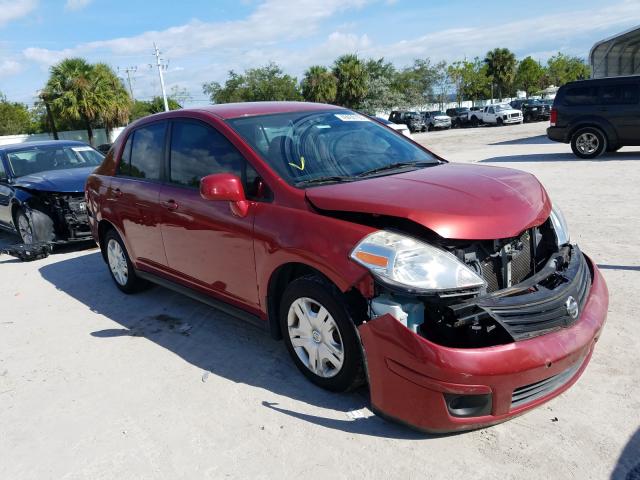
70, 180
457, 201
442, 117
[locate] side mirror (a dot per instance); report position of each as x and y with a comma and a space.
225, 187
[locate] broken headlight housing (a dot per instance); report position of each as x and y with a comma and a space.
406, 262
560, 226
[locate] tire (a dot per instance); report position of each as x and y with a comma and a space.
327, 352
588, 142
528, 118
34, 227
430, 128
474, 122
499, 122
119, 264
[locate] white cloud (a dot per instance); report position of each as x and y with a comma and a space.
76, 4
13, 9
9, 68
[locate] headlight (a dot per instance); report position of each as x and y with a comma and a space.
560, 226
405, 261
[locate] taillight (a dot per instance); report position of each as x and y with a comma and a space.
553, 118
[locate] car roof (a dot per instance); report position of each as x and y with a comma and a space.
246, 109
41, 143
622, 78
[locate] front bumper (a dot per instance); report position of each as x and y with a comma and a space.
410, 378
512, 120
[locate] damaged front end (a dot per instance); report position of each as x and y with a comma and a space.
454, 359
54, 219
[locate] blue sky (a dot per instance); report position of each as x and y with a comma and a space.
202, 40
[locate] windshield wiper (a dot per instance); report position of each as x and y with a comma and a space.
395, 166
328, 179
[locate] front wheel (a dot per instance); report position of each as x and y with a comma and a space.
499, 122
320, 335
120, 266
588, 143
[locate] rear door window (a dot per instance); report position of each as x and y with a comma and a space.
147, 151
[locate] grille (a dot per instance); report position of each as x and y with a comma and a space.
533, 391
545, 309
514, 115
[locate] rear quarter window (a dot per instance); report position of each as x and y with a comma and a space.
625, 94
581, 96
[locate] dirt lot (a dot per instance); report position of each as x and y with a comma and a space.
94, 384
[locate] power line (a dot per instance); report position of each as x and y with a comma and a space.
129, 71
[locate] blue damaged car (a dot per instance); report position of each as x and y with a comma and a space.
42, 190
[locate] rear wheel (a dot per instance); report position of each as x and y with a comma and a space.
120, 266
588, 143
320, 335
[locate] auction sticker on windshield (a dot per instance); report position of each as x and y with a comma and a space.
351, 117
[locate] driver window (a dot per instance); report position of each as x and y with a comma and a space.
491, 110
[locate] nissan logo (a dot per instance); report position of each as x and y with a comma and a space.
572, 307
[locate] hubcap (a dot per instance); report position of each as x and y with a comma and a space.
315, 337
587, 143
25, 229
117, 262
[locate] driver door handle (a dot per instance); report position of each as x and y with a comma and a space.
170, 205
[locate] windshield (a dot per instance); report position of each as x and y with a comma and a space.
501, 108
340, 145
31, 160
438, 114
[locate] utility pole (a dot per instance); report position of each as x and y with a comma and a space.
160, 68
129, 71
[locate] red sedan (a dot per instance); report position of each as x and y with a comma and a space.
453, 290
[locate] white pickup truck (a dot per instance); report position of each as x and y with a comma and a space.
501, 114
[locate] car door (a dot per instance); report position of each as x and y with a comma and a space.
491, 115
205, 242
133, 194
620, 105
6, 194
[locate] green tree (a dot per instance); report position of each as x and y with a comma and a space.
79, 91
563, 68
352, 79
417, 82
442, 87
319, 85
382, 94
529, 75
117, 107
268, 83
501, 63
15, 118
141, 108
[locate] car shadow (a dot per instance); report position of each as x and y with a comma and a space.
534, 140
215, 343
628, 465
561, 157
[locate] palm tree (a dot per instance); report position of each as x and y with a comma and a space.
77, 93
319, 85
352, 78
501, 66
117, 108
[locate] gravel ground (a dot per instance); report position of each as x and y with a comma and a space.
94, 384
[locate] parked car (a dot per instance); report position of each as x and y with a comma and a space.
42, 190
597, 115
458, 116
103, 148
532, 110
396, 126
413, 120
453, 289
501, 114
436, 120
